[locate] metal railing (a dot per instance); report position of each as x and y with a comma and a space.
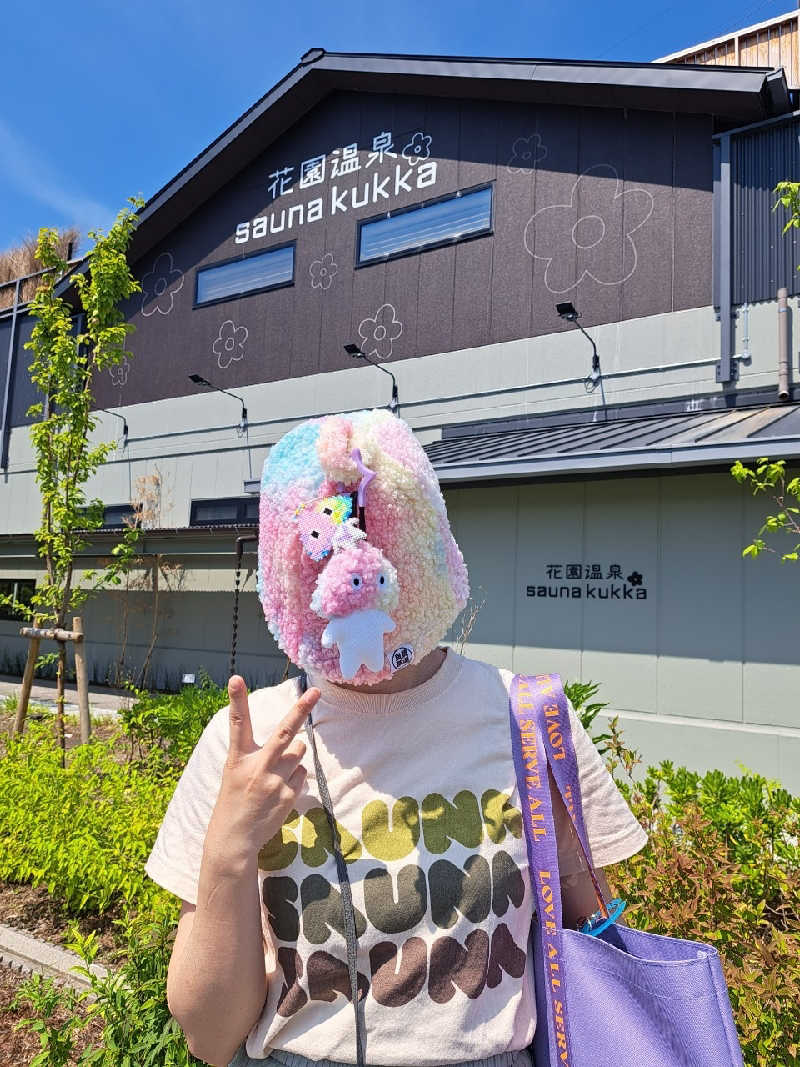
16, 307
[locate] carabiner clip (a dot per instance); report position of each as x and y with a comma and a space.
597, 922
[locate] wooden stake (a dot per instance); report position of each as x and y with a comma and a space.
62, 663
27, 684
50, 634
82, 679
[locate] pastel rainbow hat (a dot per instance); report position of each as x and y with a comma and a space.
312, 470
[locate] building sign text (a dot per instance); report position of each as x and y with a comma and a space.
589, 581
413, 170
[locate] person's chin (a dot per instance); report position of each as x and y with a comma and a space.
363, 676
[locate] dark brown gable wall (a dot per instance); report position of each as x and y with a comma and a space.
606, 208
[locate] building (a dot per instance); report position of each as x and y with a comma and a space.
773, 43
434, 211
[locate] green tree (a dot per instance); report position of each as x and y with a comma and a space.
788, 194
770, 479
66, 357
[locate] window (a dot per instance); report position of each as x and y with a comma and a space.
20, 590
251, 274
116, 515
424, 226
234, 511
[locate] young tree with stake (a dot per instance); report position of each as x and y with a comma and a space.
65, 362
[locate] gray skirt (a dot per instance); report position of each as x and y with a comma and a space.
290, 1059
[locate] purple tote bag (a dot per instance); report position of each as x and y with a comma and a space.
623, 998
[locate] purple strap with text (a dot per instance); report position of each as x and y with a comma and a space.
632, 998
541, 734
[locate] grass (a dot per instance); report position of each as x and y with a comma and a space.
21, 260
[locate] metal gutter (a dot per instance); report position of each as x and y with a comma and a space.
556, 463
743, 400
762, 124
542, 69
195, 538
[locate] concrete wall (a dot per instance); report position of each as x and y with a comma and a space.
704, 669
193, 628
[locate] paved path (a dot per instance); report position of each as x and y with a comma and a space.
102, 700
25, 953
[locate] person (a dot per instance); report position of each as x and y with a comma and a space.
365, 835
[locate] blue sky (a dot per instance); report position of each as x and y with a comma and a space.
106, 98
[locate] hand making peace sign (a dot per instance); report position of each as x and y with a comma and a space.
260, 783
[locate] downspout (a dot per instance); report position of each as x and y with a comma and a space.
783, 345
726, 367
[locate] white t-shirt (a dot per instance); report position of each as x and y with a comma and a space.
423, 787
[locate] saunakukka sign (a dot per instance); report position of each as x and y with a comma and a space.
391, 173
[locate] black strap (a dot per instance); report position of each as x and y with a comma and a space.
351, 937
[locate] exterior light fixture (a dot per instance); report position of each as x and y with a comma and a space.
569, 313
198, 379
124, 424
354, 351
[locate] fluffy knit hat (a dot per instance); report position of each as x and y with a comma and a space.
358, 571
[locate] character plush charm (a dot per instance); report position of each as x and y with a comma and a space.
355, 592
328, 525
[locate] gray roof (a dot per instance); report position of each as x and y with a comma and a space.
736, 94
652, 442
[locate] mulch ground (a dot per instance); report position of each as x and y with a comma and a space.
33, 911
18, 1047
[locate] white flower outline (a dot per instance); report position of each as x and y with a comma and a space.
419, 147
530, 151
379, 332
230, 338
639, 204
323, 271
160, 285
119, 373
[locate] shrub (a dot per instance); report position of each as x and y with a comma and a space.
54, 1018
130, 1004
84, 831
580, 696
172, 722
722, 866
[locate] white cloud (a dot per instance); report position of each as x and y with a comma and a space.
30, 172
